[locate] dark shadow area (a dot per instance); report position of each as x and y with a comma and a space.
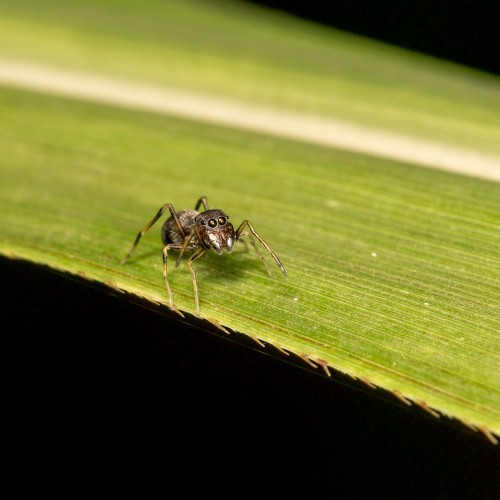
88, 378
466, 32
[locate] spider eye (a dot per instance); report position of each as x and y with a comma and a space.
212, 223
222, 221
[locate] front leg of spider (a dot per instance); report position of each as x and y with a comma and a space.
189, 263
240, 233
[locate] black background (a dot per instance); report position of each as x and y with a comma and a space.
462, 31
94, 385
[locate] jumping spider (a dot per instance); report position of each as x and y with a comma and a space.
197, 232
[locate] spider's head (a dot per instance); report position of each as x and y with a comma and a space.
215, 231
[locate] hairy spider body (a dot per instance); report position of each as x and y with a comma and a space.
170, 231
197, 232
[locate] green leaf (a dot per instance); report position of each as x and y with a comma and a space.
393, 269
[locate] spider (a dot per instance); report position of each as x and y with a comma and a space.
198, 232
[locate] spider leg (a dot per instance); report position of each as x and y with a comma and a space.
240, 232
148, 226
173, 213
183, 248
168, 247
202, 201
256, 248
197, 254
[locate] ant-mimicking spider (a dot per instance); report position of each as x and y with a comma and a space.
197, 232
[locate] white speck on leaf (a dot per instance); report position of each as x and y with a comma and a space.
332, 203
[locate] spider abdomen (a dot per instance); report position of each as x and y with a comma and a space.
171, 233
